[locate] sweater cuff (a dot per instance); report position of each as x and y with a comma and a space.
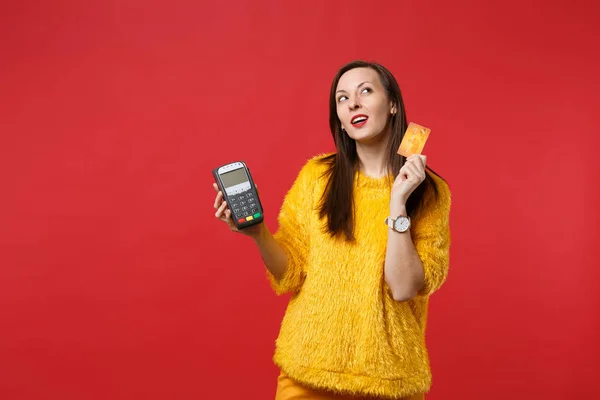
292, 279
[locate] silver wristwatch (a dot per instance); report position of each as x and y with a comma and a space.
400, 224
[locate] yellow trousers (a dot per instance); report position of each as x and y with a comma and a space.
287, 389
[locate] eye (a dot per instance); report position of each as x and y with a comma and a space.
342, 98
366, 90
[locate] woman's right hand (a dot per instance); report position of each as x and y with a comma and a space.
224, 214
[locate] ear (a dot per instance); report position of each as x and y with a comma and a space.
392, 109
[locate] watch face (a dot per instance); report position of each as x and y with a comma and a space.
401, 224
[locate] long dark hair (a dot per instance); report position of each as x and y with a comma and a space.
337, 201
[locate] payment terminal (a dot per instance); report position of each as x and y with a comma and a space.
236, 184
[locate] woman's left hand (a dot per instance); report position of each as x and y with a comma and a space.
409, 178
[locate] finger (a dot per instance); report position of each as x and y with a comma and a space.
411, 160
419, 173
229, 220
221, 210
228, 217
218, 200
410, 168
414, 172
419, 159
419, 170
220, 213
404, 170
216, 187
419, 162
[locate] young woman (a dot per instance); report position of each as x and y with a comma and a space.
363, 241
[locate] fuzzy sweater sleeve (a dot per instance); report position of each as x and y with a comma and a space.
293, 232
432, 238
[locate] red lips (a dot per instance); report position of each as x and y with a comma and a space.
359, 120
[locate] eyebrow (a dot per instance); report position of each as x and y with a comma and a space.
362, 83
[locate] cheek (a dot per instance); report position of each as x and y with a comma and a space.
376, 107
381, 116
383, 113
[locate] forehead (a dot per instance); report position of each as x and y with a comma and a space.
351, 79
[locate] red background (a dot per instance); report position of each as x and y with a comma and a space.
117, 282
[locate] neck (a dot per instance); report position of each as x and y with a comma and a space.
372, 156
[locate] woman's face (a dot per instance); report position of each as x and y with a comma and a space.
363, 106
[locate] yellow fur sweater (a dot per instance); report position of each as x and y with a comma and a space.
342, 330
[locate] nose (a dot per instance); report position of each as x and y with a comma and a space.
353, 104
